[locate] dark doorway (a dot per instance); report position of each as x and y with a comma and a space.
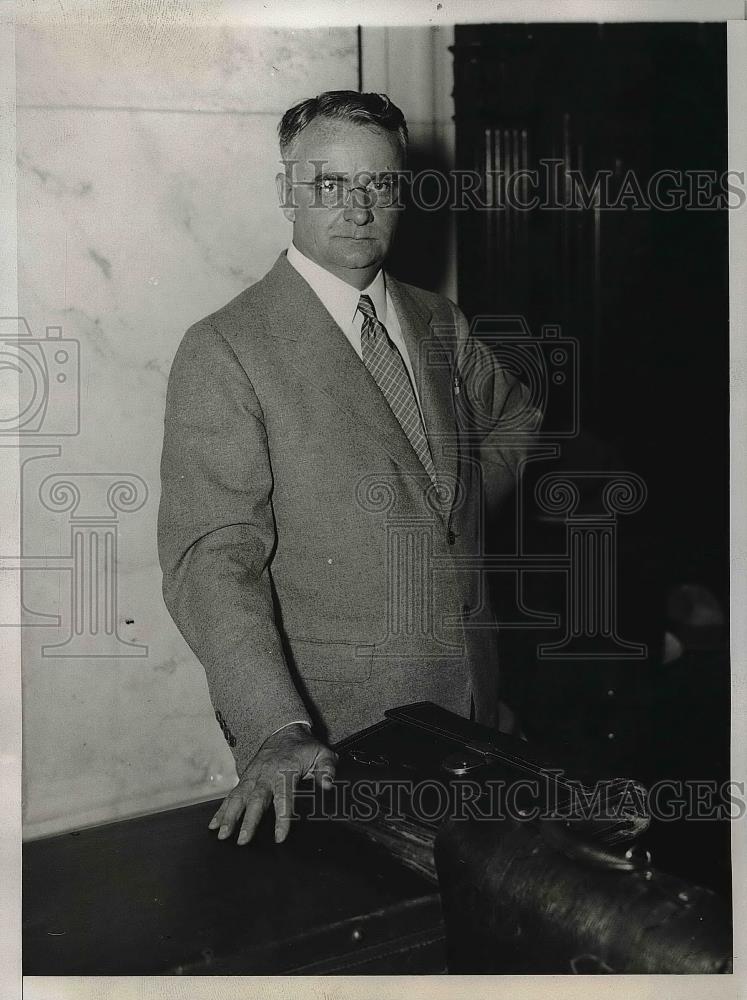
643, 291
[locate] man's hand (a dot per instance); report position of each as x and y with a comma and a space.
272, 776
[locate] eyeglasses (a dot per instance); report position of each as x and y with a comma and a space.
333, 192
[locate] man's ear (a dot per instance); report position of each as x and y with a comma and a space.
285, 196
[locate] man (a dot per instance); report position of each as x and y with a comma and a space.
326, 435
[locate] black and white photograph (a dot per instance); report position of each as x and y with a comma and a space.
372, 425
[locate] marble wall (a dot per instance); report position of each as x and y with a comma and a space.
146, 199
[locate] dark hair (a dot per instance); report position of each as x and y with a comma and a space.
372, 110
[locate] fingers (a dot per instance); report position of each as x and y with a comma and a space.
234, 809
254, 805
255, 809
217, 819
324, 768
273, 776
285, 788
234, 806
251, 803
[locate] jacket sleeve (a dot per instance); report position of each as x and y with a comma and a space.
496, 411
216, 536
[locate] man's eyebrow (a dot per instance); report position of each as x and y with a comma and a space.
376, 175
325, 175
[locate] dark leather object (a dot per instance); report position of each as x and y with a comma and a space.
515, 904
425, 745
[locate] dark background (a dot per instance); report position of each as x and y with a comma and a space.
645, 295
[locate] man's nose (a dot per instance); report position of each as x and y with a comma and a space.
358, 207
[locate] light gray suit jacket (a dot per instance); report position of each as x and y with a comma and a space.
304, 559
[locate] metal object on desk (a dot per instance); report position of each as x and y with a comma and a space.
458, 764
562, 893
420, 749
368, 759
515, 904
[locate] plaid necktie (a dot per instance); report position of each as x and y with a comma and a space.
385, 363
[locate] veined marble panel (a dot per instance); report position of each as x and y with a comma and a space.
110, 738
156, 62
131, 227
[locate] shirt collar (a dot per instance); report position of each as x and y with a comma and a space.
338, 297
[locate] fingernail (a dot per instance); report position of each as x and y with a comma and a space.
279, 836
223, 832
243, 837
212, 824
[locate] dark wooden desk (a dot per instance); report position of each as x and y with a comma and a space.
161, 894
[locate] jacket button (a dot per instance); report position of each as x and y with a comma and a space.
451, 537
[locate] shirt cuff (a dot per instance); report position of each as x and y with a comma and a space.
296, 722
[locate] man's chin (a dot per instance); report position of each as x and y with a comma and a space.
361, 252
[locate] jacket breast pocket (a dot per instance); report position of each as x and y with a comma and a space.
340, 662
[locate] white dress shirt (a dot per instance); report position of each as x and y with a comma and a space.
341, 301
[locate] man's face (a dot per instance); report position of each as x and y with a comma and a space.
351, 236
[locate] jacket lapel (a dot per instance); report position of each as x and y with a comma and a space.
322, 354
432, 362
